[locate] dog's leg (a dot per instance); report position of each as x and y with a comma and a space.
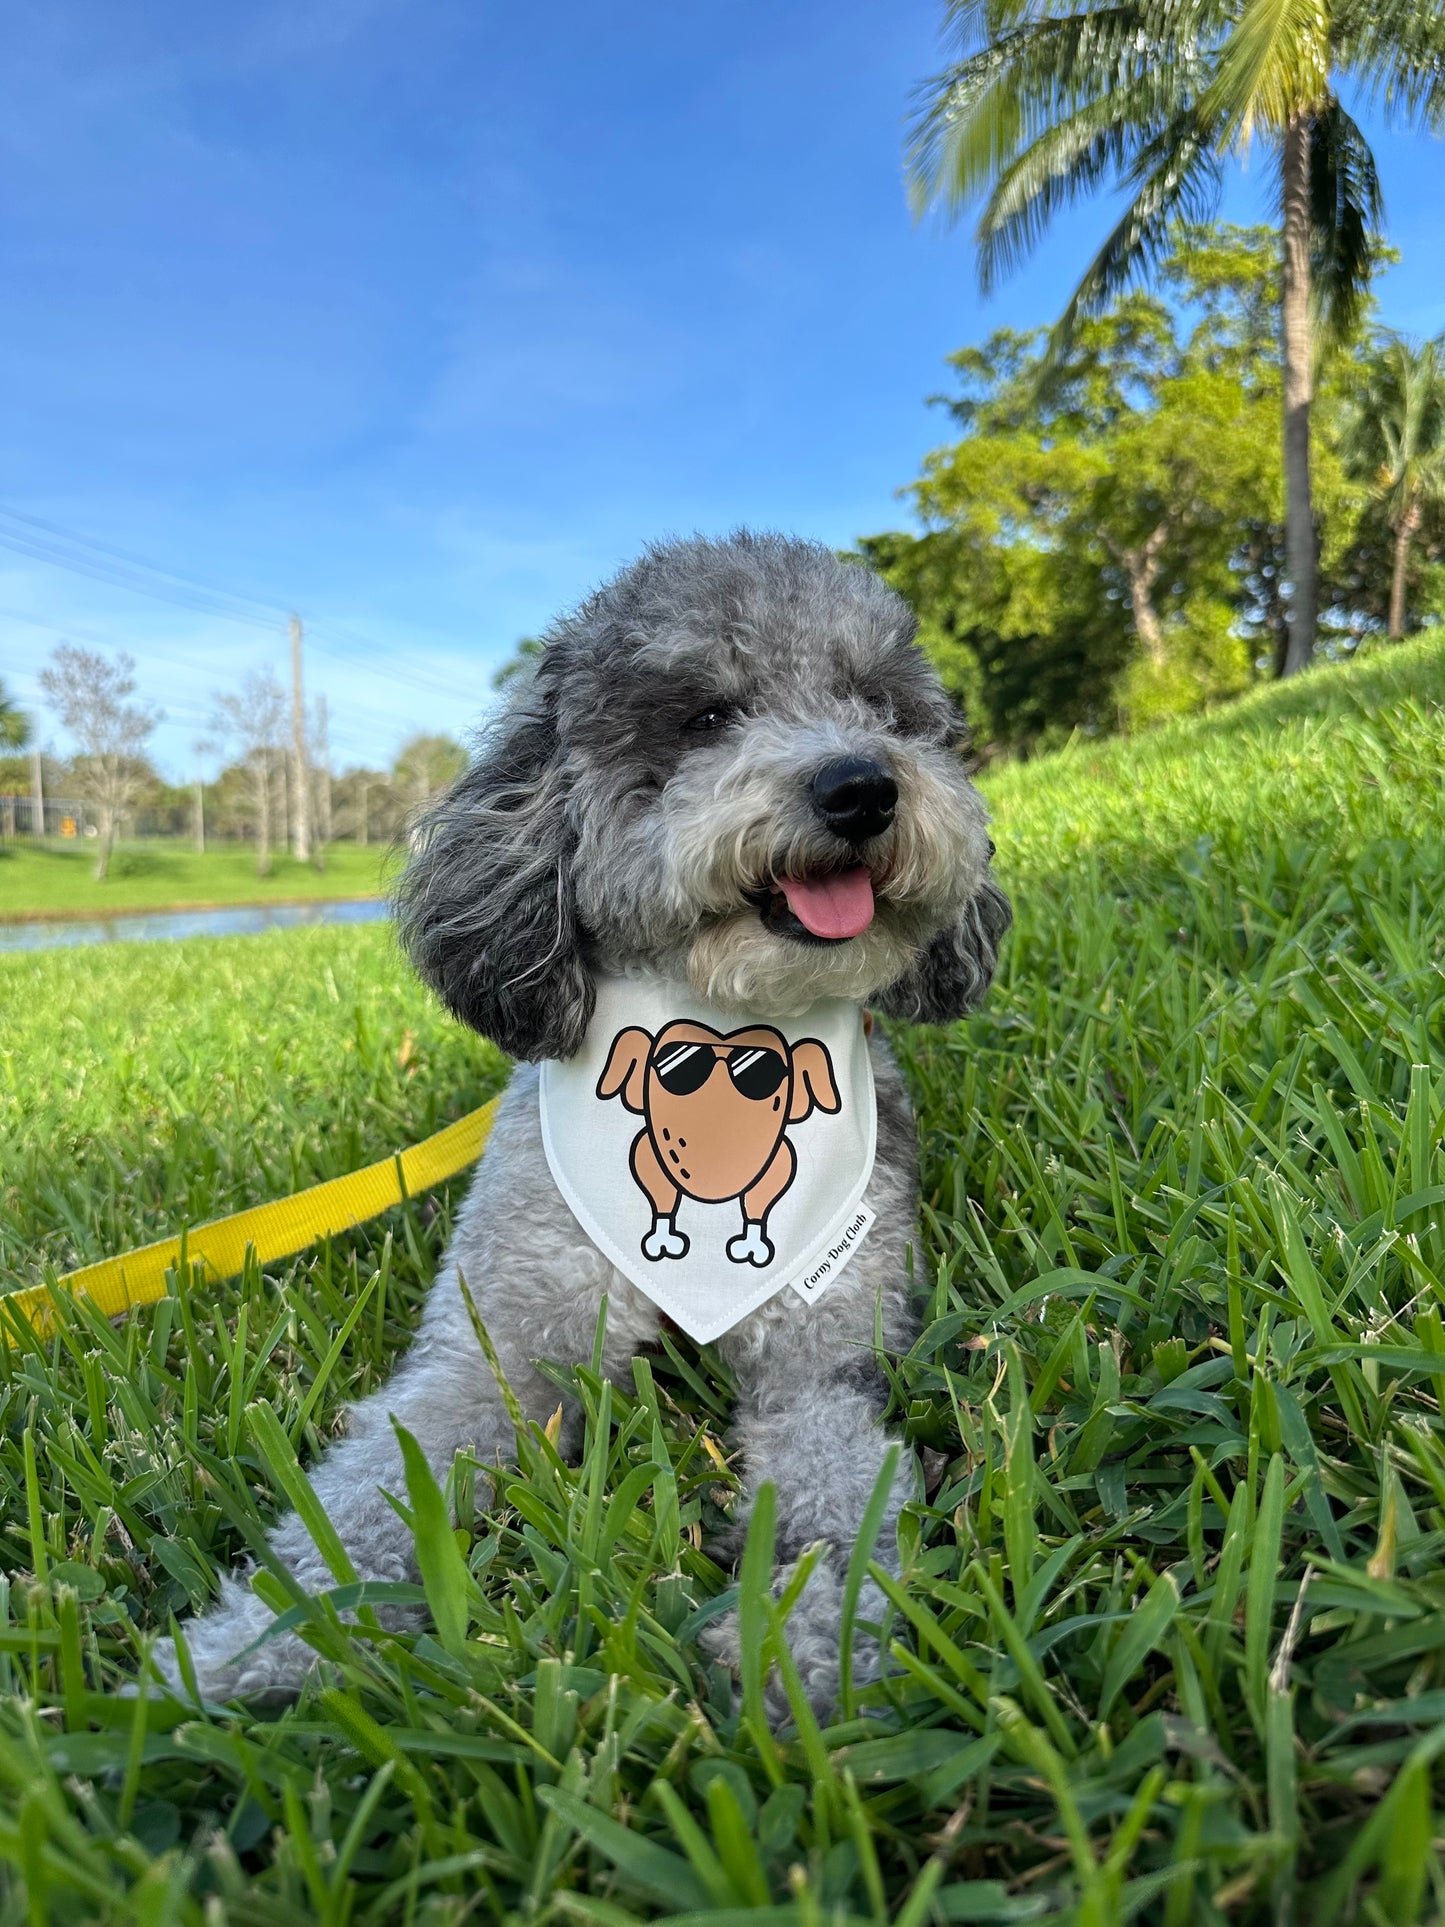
663, 1239
812, 1426
538, 1286
442, 1396
446, 1397
753, 1246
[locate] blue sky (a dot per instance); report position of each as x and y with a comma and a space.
423, 317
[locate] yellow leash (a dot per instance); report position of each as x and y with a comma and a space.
276, 1230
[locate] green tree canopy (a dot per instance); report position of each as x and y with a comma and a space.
425, 765
1394, 441
1047, 103
522, 661
1105, 541
14, 723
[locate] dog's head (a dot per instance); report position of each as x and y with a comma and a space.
734, 766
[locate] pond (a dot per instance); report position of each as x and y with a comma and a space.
145, 926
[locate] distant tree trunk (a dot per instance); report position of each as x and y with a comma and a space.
37, 793
1297, 349
321, 815
283, 811
1404, 535
105, 810
365, 826
200, 819
261, 775
301, 813
1141, 572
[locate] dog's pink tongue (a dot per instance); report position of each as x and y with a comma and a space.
834, 907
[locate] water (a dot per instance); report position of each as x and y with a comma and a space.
146, 926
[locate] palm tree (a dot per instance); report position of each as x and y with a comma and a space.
1050, 101
1395, 439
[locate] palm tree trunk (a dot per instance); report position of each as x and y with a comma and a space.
1297, 354
1404, 535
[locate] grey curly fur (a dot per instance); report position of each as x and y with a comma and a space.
593, 832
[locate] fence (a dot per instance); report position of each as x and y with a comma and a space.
58, 816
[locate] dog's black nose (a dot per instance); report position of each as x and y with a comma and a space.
855, 797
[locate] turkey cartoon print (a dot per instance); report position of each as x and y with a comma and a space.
716, 1108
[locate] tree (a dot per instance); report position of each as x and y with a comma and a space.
91, 697
425, 766
1050, 102
14, 723
253, 718
364, 805
1394, 439
522, 661
319, 762
1096, 546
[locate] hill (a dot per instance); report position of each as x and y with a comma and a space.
1170, 1641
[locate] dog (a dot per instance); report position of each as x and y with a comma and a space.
730, 1126
734, 770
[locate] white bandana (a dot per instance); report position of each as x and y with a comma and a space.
714, 1157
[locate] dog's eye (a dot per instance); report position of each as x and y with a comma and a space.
715, 716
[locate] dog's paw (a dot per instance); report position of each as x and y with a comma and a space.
752, 1246
813, 1633
665, 1241
225, 1660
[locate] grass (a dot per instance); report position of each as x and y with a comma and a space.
58, 879
1170, 1640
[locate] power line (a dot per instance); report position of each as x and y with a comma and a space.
117, 568
68, 632
191, 712
270, 610
116, 576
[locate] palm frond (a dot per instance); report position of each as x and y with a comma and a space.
1395, 51
1069, 160
1347, 212
1393, 435
968, 128
972, 23
1272, 68
1180, 178
972, 120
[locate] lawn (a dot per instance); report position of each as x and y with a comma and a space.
1170, 1640
59, 879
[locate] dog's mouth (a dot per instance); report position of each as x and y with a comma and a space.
829, 906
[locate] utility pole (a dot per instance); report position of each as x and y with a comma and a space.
37, 794
302, 781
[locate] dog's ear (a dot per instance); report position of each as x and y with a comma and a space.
626, 1070
953, 973
485, 906
813, 1086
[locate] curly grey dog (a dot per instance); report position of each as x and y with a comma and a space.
723, 715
